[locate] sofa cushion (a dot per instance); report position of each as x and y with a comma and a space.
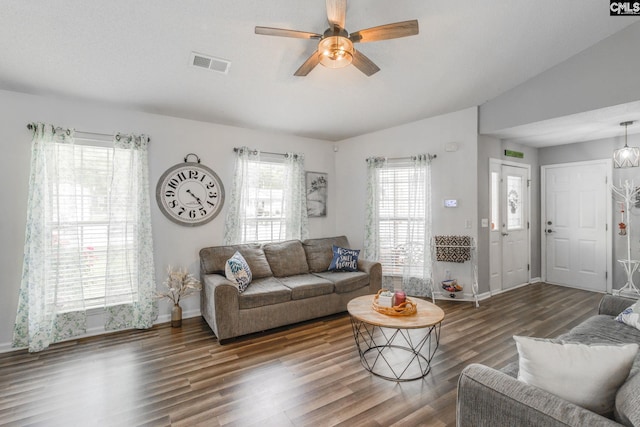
586, 375
213, 259
286, 258
346, 281
265, 291
602, 328
237, 271
344, 259
631, 316
319, 252
307, 286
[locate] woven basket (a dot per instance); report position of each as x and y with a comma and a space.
407, 308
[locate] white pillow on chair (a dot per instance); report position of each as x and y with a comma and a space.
586, 375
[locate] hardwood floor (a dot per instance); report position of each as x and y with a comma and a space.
305, 375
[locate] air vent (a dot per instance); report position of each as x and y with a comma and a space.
209, 62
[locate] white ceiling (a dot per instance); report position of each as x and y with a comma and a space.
135, 54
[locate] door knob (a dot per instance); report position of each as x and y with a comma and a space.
549, 231
505, 234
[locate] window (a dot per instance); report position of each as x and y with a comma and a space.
88, 237
398, 227
515, 218
87, 228
265, 213
394, 216
495, 201
268, 198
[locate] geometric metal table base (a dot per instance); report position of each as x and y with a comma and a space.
396, 354
396, 348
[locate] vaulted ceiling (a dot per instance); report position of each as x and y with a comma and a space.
136, 55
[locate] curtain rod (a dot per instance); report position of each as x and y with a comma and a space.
254, 151
430, 156
106, 135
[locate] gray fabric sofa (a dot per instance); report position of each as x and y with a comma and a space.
291, 283
488, 397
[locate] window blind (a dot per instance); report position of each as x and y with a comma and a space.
265, 205
395, 209
90, 251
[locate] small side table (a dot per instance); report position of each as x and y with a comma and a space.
396, 348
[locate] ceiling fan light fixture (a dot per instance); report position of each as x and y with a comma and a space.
626, 157
335, 51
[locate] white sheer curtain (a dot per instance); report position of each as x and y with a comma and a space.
130, 249
242, 195
372, 239
295, 196
85, 204
371, 249
416, 275
268, 198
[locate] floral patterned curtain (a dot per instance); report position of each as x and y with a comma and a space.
295, 196
62, 273
416, 275
130, 218
240, 199
371, 249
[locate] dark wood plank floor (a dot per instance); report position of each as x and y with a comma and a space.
305, 375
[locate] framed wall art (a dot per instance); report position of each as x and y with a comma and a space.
316, 183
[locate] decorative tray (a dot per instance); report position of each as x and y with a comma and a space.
407, 308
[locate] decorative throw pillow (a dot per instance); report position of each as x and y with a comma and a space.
344, 259
631, 316
586, 375
237, 270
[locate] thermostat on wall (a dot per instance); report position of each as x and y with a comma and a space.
451, 203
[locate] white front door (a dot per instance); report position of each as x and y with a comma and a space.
514, 226
576, 198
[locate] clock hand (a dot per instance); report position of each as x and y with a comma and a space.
195, 197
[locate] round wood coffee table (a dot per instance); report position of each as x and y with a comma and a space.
397, 348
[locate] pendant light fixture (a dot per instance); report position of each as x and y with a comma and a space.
626, 157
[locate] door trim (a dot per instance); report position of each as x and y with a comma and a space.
493, 162
609, 218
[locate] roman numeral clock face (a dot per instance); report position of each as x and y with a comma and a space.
190, 194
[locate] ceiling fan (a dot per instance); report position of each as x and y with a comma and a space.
335, 46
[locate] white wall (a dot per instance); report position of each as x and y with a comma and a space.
454, 174
600, 76
171, 140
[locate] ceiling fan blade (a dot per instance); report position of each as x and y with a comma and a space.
386, 32
308, 65
337, 12
268, 31
364, 64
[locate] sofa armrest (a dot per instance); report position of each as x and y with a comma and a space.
613, 305
374, 270
487, 397
219, 305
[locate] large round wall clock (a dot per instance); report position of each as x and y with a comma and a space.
189, 193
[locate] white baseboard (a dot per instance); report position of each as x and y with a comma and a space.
99, 330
